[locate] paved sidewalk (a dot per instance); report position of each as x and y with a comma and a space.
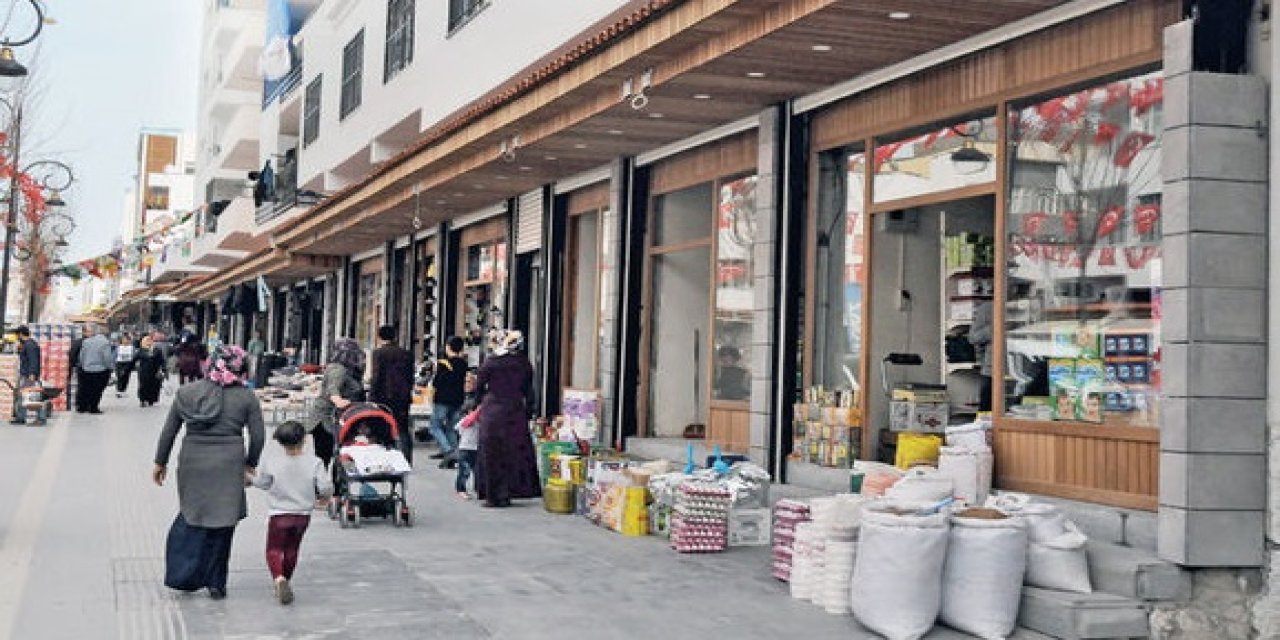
83, 530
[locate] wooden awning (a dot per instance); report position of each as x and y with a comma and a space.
710, 63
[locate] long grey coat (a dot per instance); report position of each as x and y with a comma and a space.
337, 382
212, 462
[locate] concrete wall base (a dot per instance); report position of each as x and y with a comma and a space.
1225, 603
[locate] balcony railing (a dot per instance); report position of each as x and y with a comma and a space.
278, 90
284, 194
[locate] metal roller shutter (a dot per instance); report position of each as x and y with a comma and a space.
529, 222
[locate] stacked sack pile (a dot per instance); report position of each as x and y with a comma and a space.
787, 514
928, 546
807, 558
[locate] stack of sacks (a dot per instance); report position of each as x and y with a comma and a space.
806, 561
787, 514
839, 528
8, 373
968, 461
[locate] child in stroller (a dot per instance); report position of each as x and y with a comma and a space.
367, 459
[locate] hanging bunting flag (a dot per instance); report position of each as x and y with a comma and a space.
1109, 221
1138, 257
1107, 257
1130, 147
1071, 222
1145, 217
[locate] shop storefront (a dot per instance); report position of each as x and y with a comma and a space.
695, 376
367, 311
423, 304
997, 250
481, 283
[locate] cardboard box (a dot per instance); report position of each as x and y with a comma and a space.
749, 527
921, 417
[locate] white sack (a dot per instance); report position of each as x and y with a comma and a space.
982, 582
897, 581
968, 436
920, 487
1056, 557
969, 471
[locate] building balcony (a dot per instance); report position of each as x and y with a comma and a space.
280, 90
235, 145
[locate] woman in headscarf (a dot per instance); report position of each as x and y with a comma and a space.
150, 364
506, 466
342, 385
216, 411
191, 355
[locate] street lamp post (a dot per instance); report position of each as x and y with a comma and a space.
65, 223
10, 221
9, 65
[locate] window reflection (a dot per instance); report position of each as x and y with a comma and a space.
950, 157
1084, 256
735, 288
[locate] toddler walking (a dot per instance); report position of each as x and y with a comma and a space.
294, 483
468, 443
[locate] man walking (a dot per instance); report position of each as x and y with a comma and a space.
449, 382
392, 383
28, 373
96, 360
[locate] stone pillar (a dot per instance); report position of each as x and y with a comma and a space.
772, 137
610, 281
1213, 493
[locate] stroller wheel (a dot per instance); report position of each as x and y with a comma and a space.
340, 514
353, 515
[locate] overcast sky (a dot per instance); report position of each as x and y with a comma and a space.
107, 69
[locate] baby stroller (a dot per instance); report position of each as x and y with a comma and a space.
368, 459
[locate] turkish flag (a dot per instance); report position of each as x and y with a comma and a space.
1110, 221
1033, 222
1151, 94
1145, 217
1071, 222
1030, 250
1130, 147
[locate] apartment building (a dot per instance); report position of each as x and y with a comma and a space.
163, 192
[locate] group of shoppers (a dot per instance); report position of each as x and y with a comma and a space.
93, 358
218, 411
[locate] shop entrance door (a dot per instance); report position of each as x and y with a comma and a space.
679, 341
932, 290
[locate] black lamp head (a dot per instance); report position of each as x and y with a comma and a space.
9, 65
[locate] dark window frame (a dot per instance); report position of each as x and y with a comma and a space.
463, 11
311, 110
398, 54
352, 88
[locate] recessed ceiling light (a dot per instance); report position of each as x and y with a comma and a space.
441, 201
756, 74
501, 177
821, 47
477, 186
526, 168
615, 132
579, 146
899, 15
459, 194
549, 158
701, 96
656, 115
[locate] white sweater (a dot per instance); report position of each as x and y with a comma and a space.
294, 483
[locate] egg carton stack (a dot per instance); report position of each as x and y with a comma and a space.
55, 361
786, 515
700, 519
807, 559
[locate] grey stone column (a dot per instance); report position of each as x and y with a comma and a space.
610, 274
764, 264
1213, 493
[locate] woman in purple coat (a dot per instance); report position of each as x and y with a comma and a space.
506, 465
